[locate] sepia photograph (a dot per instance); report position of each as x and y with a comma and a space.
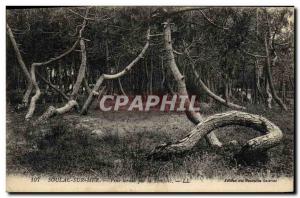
152, 99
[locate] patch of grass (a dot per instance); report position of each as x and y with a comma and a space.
60, 148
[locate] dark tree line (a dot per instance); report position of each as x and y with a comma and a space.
225, 44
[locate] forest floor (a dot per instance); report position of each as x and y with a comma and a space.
113, 146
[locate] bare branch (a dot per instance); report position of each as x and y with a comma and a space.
212, 22
53, 86
128, 67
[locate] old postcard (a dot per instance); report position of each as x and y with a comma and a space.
150, 99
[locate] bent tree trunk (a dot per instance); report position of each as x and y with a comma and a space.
52, 86
92, 96
209, 92
52, 111
271, 134
22, 65
34, 65
86, 86
269, 76
103, 77
193, 116
72, 103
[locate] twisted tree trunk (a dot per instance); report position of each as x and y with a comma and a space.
52, 111
72, 103
271, 134
103, 77
25, 99
34, 65
192, 115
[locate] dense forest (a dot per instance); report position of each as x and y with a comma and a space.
63, 59
225, 46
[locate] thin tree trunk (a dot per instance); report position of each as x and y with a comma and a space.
81, 72
283, 91
103, 77
163, 75
34, 65
53, 87
72, 102
193, 116
86, 85
271, 134
25, 99
92, 95
226, 92
257, 82
209, 92
121, 87
270, 78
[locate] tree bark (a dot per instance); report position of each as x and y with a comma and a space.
268, 95
193, 116
53, 87
92, 95
34, 65
86, 85
271, 134
52, 111
81, 72
258, 75
21, 62
103, 77
72, 101
269, 75
209, 92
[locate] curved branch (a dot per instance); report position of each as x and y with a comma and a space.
22, 65
212, 22
72, 101
192, 115
52, 86
69, 50
271, 134
209, 92
253, 55
128, 67
114, 76
34, 65
81, 72
84, 17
